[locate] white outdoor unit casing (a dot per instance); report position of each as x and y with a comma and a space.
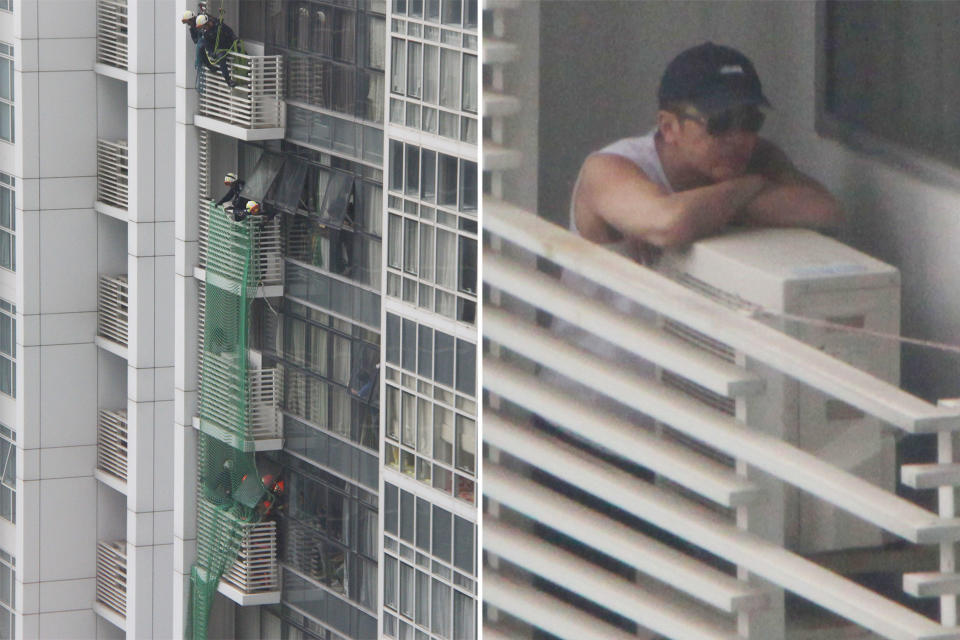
801, 272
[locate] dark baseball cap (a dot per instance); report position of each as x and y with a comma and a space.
713, 78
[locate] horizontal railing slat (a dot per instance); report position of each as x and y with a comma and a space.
745, 334
774, 456
629, 599
708, 531
682, 465
618, 328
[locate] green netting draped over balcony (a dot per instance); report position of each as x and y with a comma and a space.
230, 486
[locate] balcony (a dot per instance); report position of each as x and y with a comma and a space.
254, 109
810, 511
112, 178
262, 418
111, 602
113, 314
267, 273
112, 38
112, 448
254, 577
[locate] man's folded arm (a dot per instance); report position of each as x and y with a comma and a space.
790, 198
614, 199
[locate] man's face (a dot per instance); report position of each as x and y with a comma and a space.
718, 148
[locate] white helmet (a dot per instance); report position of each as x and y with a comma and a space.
187, 16
202, 19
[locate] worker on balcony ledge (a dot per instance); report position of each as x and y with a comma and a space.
702, 168
216, 42
237, 202
704, 165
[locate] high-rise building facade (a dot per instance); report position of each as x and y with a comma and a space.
429, 568
328, 286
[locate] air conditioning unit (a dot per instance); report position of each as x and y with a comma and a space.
802, 273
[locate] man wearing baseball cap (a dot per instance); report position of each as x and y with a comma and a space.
704, 165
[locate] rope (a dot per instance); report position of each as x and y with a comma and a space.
835, 326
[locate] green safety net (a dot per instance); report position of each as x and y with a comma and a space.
230, 488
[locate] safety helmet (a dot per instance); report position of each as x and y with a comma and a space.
202, 19
230, 178
187, 16
253, 207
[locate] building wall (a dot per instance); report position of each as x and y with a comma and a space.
605, 61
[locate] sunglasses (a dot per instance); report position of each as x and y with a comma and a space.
748, 119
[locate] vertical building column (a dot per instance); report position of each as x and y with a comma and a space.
150, 268
184, 202
57, 372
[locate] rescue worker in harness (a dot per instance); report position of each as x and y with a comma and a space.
214, 40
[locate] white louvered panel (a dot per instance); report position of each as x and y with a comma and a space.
255, 569
112, 175
112, 576
257, 100
204, 195
112, 447
201, 320
269, 252
112, 34
113, 309
263, 387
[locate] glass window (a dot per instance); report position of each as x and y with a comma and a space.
409, 360
425, 359
446, 259
411, 259
376, 42
431, 74
904, 42
412, 170
443, 358
394, 241
406, 516
393, 339
398, 60
466, 444
8, 479
466, 367
423, 525
467, 271
8, 216
442, 533
8, 346
440, 609
447, 180
463, 556
451, 11
426, 252
468, 185
428, 171
414, 75
470, 83
391, 508
464, 611
389, 582
6, 92
396, 165
449, 78
442, 434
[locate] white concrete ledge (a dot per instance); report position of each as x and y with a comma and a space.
110, 616
248, 599
930, 584
238, 132
115, 348
113, 72
110, 480
109, 210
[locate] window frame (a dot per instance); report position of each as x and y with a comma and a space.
895, 155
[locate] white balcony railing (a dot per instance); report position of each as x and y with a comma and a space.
256, 570
112, 443
112, 173
257, 100
112, 576
263, 387
112, 35
113, 311
715, 480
